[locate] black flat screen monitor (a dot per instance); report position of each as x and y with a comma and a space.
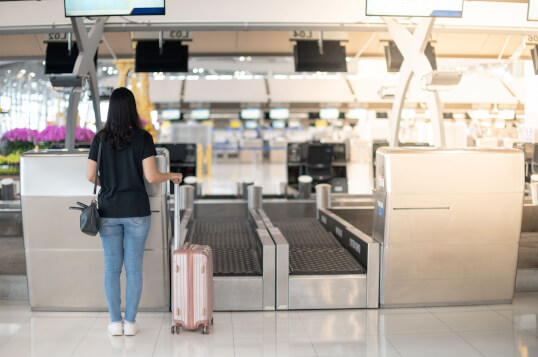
309, 59
534, 56
320, 155
174, 57
75, 8
178, 152
415, 8
58, 59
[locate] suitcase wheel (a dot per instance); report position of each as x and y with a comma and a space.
175, 329
211, 321
205, 330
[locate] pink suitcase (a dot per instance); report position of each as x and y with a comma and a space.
192, 288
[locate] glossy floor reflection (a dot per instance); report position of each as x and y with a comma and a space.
496, 330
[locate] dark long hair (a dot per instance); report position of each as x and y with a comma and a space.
122, 120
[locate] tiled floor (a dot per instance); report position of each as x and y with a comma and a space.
496, 330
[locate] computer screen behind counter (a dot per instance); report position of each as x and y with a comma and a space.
320, 154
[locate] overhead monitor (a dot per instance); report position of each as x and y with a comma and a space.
329, 113
200, 114
171, 114
58, 58
251, 113
418, 8
278, 124
251, 124
357, 113
279, 113
294, 124
174, 57
394, 57
507, 114
532, 11
113, 7
534, 56
309, 57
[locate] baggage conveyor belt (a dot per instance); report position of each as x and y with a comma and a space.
314, 251
233, 245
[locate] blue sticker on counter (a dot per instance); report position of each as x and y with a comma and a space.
380, 211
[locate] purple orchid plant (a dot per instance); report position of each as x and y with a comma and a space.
19, 140
22, 135
54, 133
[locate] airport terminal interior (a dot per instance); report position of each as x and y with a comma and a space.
364, 171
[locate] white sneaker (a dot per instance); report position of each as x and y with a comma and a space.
115, 329
130, 328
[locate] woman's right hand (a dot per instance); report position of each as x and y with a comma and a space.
176, 177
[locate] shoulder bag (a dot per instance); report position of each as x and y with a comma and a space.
89, 217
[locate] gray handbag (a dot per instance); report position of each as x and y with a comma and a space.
89, 217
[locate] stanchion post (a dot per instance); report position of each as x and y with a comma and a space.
323, 197
177, 218
209, 157
186, 194
255, 197
199, 162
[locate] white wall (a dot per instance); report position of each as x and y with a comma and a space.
475, 14
46, 12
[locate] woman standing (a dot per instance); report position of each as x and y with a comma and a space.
127, 156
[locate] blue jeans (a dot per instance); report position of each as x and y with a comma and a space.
123, 241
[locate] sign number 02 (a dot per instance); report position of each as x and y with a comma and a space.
57, 36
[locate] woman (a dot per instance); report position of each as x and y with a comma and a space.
127, 156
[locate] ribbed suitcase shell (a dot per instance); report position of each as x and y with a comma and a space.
192, 287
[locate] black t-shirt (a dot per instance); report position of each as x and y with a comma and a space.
123, 193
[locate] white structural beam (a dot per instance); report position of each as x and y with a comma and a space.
87, 43
336, 15
415, 62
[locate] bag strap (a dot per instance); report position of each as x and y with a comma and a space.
97, 168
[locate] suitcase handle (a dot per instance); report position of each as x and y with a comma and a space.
176, 244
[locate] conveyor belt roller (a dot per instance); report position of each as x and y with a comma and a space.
315, 251
233, 244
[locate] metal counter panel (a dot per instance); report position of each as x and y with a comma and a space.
238, 293
422, 171
468, 219
63, 173
327, 292
450, 225
74, 281
66, 267
57, 227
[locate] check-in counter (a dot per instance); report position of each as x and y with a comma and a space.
449, 222
66, 267
527, 263
251, 150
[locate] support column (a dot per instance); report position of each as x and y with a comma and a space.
412, 47
87, 43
